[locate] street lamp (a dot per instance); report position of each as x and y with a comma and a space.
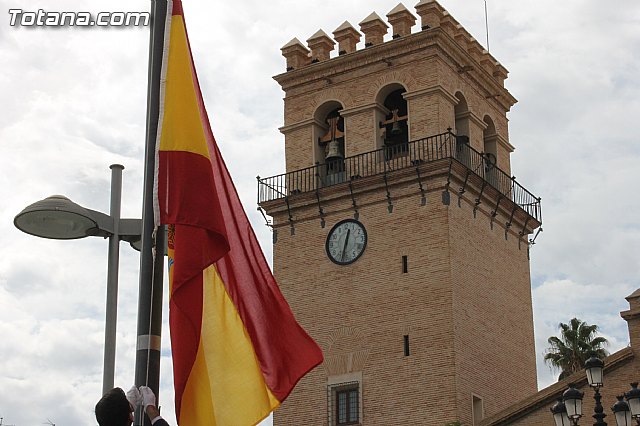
621, 411
57, 217
594, 367
572, 399
570, 407
633, 398
559, 411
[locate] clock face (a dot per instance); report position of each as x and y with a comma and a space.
346, 242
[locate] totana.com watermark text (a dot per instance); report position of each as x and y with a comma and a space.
42, 18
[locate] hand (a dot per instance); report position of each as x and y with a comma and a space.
344, 249
148, 397
134, 397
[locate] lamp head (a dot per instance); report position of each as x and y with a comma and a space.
593, 368
56, 217
572, 399
559, 412
621, 411
633, 398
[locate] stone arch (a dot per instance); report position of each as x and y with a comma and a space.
329, 95
461, 115
392, 117
329, 135
462, 131
323, 109
385, 90
490, 137
403, 79
345, 339
490, 149
347, 351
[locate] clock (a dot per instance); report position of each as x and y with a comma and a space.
346, 242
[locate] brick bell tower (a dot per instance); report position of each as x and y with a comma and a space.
400, 237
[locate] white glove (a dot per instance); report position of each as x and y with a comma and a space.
148, 397
134, 397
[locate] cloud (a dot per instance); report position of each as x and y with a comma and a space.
557, 301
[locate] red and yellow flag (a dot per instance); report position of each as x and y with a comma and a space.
237, 349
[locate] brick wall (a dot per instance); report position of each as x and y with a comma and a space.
465, 302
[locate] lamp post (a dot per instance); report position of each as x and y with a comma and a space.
57, 217
569, 408
594, 367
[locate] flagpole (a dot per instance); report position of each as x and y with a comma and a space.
147, 370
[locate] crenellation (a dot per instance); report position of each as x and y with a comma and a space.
296, 54
488, 62
475, 50
430, 13
321, 46
462, 37
374, 30
347, 37
500, 73
401, 21
449, 24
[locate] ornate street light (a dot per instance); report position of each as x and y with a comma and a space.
572, 399
621, 411
626, 413
559, 412
57, 217
633, 398
594, 367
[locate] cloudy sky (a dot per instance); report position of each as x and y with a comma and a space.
73, 102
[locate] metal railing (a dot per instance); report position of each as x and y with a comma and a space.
398, 157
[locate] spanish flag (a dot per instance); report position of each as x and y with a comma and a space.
237, 349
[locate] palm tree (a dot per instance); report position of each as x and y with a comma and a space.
577, 343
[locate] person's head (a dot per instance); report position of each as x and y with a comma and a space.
113, 409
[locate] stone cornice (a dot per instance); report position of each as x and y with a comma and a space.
634, 306
356, 110
295, 126
472, 118
503, 142
435, 89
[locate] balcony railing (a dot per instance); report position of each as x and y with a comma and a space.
398, 157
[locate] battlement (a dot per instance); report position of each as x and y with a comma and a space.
401, 21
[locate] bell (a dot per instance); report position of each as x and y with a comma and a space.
333, 151
395, 129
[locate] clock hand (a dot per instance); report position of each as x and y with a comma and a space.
344, 249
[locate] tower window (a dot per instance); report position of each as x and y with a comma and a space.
405, 264
332, 145
344, 404
477, 409
490, 153
394, 129
406, 345
347, 406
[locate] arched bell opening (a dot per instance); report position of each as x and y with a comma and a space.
330, 145
490, 149
461, 112
461, 120
393, 121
